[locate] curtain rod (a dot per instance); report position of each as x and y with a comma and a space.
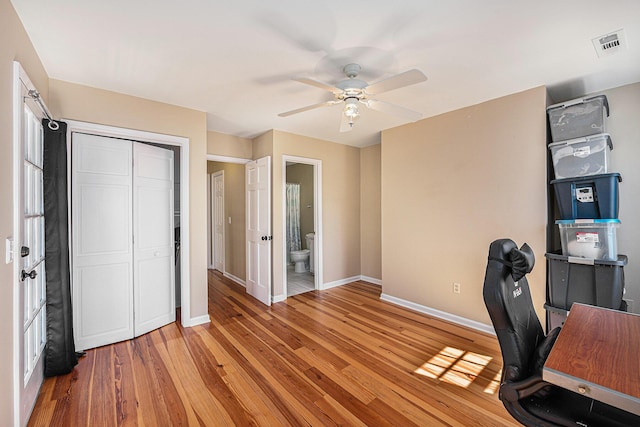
35, 95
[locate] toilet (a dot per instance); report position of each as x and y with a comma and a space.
301, 258
309, 237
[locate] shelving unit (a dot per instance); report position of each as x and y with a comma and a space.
583, 264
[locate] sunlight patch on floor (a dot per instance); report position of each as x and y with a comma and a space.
455, 366
494, 385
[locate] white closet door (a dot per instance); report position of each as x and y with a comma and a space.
154, 265
102, 217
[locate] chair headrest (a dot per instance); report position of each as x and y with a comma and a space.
522, 261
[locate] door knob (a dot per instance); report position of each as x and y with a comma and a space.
24, 251
31, 275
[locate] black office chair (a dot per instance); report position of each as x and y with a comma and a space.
524, 347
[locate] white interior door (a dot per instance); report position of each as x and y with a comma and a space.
218, 221
102, 228
29, 256
258, 184
153, 248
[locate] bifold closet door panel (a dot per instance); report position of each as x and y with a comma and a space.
154, 258
102, 221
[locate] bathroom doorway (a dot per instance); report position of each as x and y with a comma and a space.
301, 204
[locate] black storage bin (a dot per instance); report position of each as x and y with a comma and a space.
588, 197
595, 282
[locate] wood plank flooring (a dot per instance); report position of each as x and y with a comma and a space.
324, 358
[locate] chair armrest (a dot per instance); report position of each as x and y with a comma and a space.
516, 390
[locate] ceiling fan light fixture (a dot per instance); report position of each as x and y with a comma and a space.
351, 110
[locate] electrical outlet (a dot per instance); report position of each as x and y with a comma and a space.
456, 288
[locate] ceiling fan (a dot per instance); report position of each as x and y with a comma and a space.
353, 91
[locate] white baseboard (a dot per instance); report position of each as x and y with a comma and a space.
463, 321
278, 298
371, 280
238, 280
200, 320
340, 282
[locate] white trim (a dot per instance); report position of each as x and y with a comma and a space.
236, 279
462, 321
371, 280
200, 320
317, 219
227, 159
340, 282
183, 143
17, 322
278, 298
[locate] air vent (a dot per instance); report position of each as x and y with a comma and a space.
610, 44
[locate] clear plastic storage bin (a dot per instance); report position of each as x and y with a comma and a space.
589, 238
578, 117
581, 156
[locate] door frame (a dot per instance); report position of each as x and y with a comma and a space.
156, 138
317, 218
221, 159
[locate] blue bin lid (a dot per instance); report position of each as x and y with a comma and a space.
588, 221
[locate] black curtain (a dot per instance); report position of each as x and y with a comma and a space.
60, 354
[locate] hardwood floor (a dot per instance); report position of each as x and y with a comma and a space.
335, 357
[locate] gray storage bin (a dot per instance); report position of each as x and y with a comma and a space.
578, 117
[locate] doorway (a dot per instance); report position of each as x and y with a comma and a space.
302, 224
228, 244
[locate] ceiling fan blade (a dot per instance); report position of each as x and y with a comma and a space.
407, 78
316, 83
396, 110
308, 107
345, 126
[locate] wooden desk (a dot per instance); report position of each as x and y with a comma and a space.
598, 354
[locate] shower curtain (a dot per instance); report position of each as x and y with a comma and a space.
293, 218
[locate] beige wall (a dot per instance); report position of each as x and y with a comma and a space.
15, 46
370, 214
234, 208
451, 185
302, 174
624, 126
340, 202
76, 102
228, 145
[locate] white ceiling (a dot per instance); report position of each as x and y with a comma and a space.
235, 59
